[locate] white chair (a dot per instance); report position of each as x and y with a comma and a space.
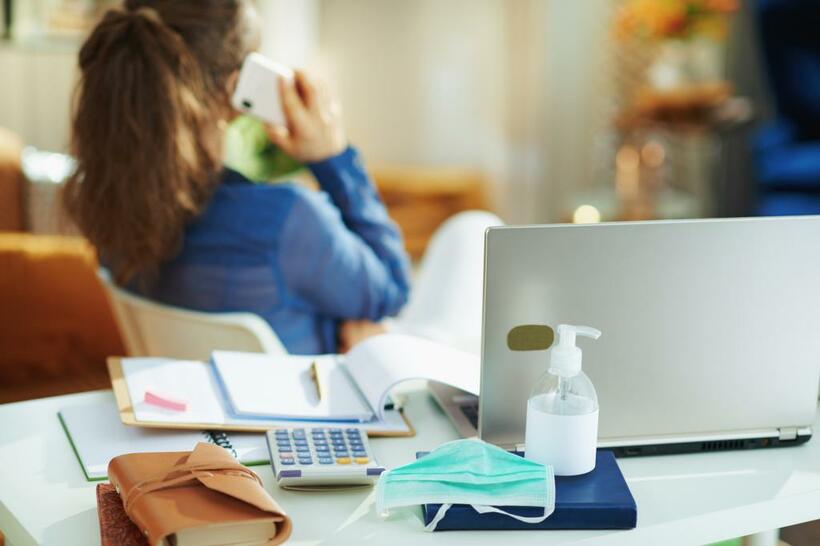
153, 329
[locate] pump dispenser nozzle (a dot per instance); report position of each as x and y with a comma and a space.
565, 357
562, 412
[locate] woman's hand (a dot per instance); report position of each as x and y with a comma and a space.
352, 332
314, 127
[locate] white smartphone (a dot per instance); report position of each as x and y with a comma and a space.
257, 90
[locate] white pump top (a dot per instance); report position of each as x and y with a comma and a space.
565, 357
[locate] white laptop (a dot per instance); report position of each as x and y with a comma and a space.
711, 330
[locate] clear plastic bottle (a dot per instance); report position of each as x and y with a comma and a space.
562, 411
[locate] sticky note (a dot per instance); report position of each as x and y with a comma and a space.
164, 401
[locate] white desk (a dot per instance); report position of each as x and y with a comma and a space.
682, 499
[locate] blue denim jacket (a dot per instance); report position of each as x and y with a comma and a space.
301, 259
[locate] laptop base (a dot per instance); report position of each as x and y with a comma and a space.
462, 410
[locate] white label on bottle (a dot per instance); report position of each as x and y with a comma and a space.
567, 442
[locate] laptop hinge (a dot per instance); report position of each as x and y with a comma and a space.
787, 434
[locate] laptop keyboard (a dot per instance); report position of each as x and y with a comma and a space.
470, 411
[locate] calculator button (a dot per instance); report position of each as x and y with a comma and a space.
332, 430
322, 449
287, 461
298, 433
352, 432
359, 453
281, 434
343, 460
300, 442
285, 450
355, 442
361, 460
325, 460
302, 449
305, 461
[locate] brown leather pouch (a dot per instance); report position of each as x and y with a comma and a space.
199, 498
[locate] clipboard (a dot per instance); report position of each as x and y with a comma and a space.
128, 417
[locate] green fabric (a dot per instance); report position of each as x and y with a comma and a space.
249, 152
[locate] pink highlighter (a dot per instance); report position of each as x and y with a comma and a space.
164, 401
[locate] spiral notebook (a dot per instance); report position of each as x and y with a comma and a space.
97, 435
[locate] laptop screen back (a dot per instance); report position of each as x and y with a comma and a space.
708, 325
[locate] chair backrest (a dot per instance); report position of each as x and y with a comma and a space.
153, 329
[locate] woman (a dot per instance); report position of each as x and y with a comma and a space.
171, 222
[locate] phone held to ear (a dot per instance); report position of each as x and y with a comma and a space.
257, 90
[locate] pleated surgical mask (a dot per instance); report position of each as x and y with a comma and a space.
468, 472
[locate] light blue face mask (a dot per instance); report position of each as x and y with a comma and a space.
468, 472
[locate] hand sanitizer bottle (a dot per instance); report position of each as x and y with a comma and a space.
562, 412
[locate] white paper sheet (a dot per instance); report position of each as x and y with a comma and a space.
186, 380
380, 363
282, 387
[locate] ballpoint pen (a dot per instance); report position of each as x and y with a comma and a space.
314, 375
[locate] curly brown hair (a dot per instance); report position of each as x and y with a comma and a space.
150, 101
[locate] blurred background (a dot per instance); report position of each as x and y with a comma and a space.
540, 110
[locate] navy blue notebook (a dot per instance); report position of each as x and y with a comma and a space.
598, 500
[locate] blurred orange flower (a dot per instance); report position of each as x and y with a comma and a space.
661, 19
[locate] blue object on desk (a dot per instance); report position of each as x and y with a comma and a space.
598, 500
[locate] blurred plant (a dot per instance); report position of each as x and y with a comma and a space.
674, 19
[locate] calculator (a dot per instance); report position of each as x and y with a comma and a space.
316, 457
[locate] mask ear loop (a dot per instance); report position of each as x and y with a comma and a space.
442, 511
483, 509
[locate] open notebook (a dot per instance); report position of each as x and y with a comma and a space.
353, 387
247, 391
